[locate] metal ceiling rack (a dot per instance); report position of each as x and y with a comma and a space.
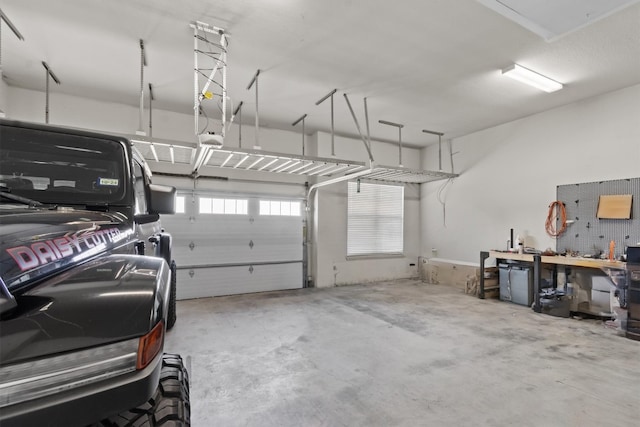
210, 152
235, 158
407, 176
165, 151
260, 160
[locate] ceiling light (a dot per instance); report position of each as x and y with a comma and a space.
524, 75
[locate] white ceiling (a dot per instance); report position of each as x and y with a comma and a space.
428, 64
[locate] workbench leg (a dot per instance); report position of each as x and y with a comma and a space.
537, 266
483, 257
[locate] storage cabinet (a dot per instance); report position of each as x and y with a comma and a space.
516, 283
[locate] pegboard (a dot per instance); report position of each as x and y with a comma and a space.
590, 235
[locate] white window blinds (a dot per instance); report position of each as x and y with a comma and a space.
375, 219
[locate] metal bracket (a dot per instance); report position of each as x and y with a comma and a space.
399, 126
255, 80
440, 134
49, 74
301, 119
367, 144
320, 101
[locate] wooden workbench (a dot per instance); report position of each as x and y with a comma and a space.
537, 261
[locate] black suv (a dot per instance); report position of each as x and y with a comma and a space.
87, 289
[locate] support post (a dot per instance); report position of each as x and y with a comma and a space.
355, 119
483, 257
196, 91
301, 119
255, 80
153, 148
238, 111
439, 134
537, 266
330, 94
366, 120
49, 74
143, 63
399, 126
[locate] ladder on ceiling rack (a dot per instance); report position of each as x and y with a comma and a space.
210, 46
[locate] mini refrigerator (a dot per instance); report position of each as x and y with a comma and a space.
516, 283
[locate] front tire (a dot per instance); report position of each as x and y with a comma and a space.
171, 314
168, 407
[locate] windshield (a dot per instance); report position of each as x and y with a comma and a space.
60, 168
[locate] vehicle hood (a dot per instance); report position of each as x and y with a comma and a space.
109, 299
35, 243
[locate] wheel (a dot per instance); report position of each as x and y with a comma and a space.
171, 314
165, 247
168, 407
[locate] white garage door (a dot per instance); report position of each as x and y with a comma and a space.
226, 245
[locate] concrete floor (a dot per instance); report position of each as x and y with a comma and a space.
400, 353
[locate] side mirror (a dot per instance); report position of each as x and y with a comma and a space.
162, 199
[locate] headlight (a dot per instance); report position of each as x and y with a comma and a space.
32, 380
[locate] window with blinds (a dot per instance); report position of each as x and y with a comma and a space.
375, 219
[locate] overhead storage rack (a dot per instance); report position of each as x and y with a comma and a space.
210, 150
235, 158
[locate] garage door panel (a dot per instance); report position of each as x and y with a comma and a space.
207, 244
266, 251
219, 281
185, 256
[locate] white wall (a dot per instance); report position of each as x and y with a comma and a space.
330, 264
4, 102
509, 173
329, 225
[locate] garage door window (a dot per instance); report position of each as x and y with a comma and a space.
279, 208
375, 219
180, 207
210, 205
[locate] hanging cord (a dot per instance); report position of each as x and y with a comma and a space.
443, 202
556, 208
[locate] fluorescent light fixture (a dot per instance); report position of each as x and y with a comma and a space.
524, 75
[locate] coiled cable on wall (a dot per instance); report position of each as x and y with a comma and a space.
557, 208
